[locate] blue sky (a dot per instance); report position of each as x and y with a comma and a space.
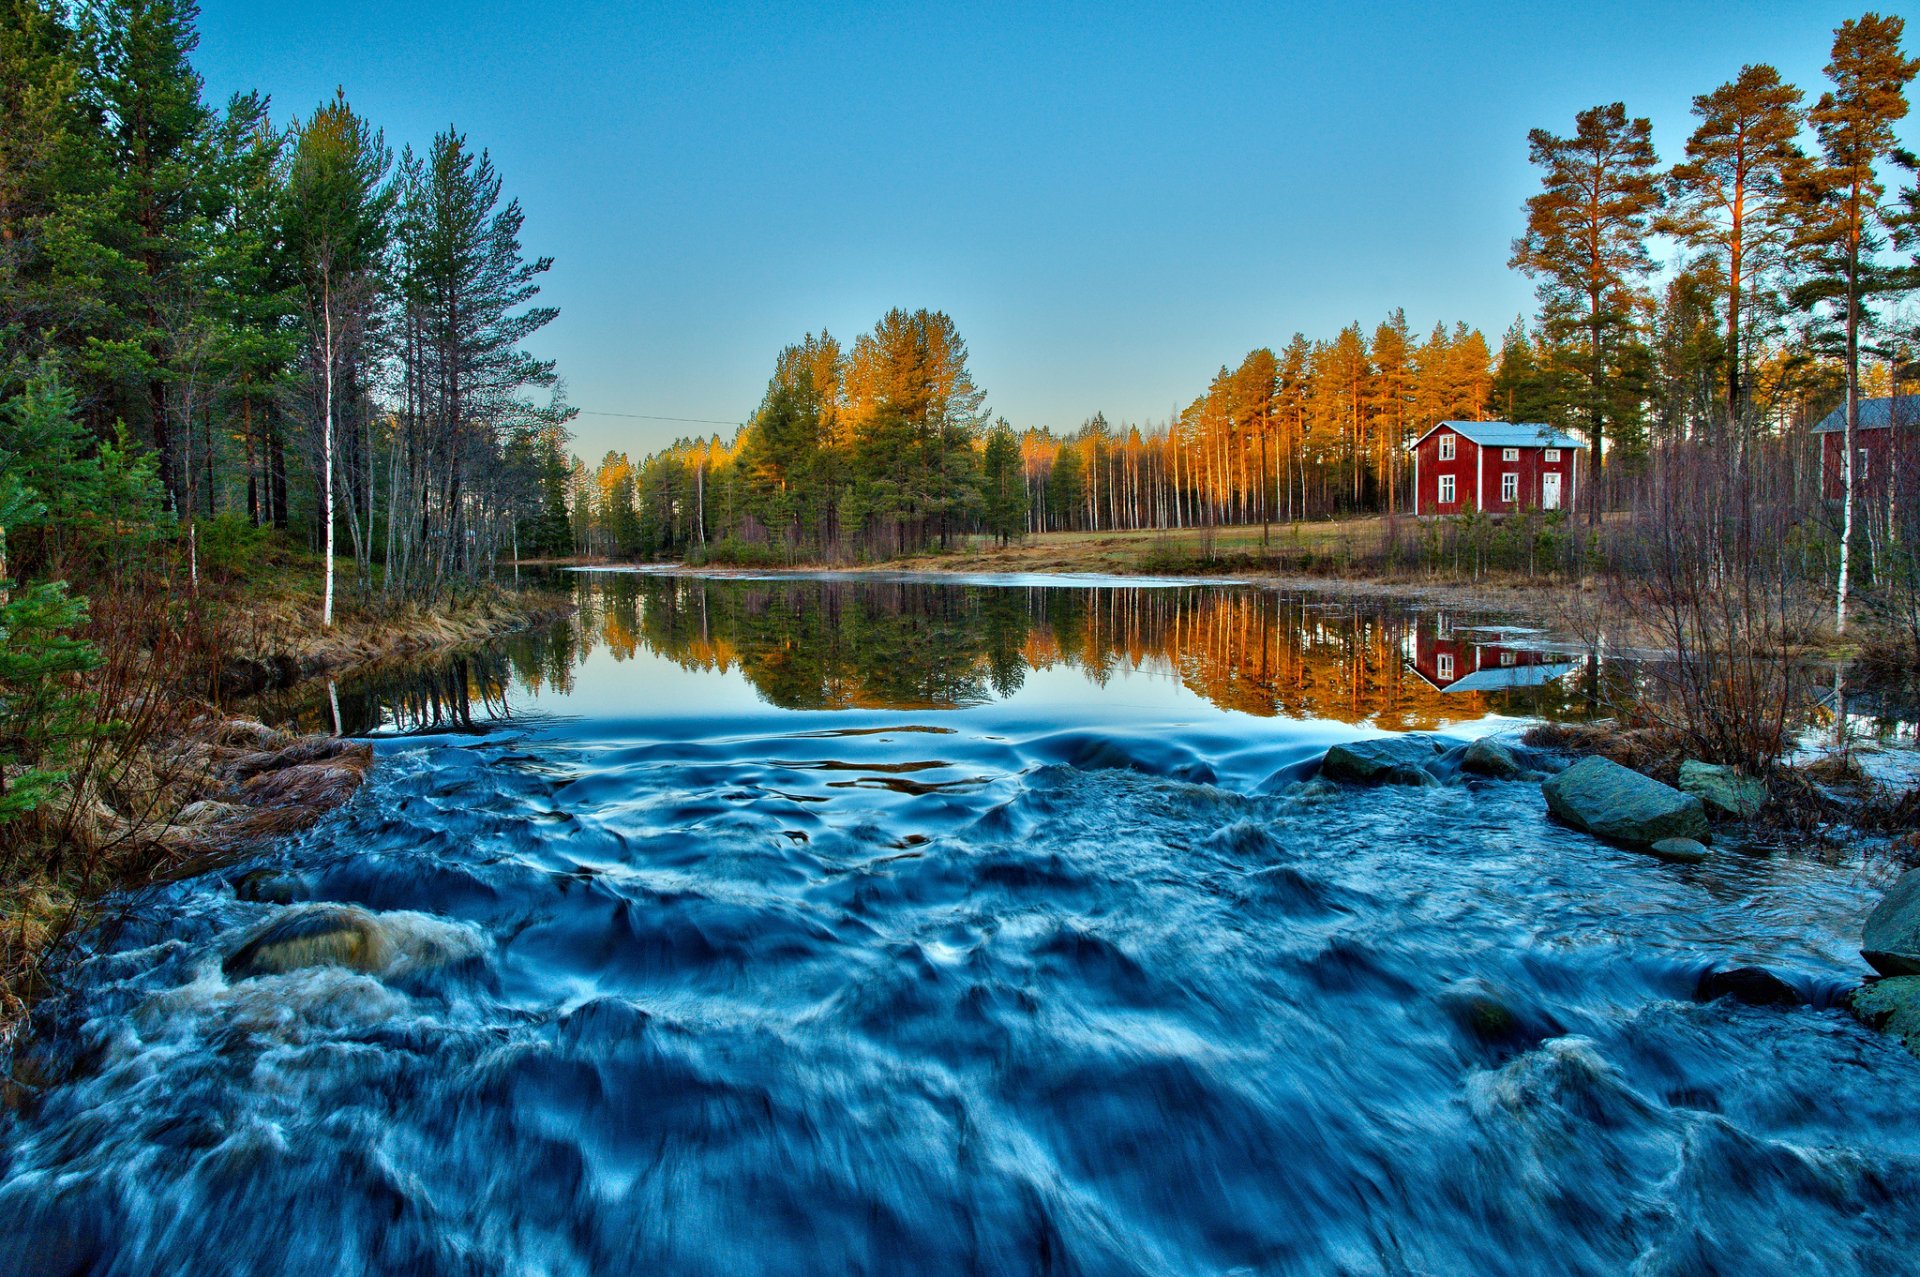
1111, 201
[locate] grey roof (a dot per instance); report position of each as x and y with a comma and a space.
1497, 677
1506, 434
1874, 414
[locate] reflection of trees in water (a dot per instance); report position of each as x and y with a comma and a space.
876, 643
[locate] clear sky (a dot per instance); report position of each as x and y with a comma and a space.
1110, 200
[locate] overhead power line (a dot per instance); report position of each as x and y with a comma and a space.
645, 416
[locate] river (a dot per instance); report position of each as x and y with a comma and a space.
868, 925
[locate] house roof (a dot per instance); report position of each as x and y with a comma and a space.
1508, 434
1874, 415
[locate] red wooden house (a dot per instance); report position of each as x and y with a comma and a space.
1496, 466
1874, 437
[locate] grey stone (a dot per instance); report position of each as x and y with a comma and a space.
1488, 757
1723, 789
1384, 760
1603, 798
1684, 850
1892, 1006
1891, 938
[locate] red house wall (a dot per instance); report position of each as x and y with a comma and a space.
1874, 442
1466, 469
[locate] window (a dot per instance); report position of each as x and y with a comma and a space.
1553, 454
1445, 667
1446, 489
1860, 468
1446, 449
1509, 486
1507, 658
1509, 454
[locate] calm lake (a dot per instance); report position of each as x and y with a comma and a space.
894, 925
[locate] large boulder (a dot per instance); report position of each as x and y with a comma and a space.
1891, 1006
1724, 790
317, 936
1891, 939
1384, 760
1603, 798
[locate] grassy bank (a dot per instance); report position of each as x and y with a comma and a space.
174, 774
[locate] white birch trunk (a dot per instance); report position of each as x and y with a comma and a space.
326, 450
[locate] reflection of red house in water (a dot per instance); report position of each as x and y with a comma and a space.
1481, 658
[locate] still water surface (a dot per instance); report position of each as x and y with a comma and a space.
885, 926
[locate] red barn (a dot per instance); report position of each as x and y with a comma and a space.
1873, 442
1496, 466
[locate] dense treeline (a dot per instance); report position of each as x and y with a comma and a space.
303, 330
1778, 299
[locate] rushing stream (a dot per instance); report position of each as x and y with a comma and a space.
871, 926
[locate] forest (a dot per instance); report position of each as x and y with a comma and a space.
1726, 301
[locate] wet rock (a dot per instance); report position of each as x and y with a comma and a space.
1488, 757
1755, 986
270, 886
1723, 789
1891, 938
323, 935
1892, 1006
1385, 760
1603, 798
1686, 851
1492, 1018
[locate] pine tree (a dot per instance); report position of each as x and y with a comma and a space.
1729, 198
1837, 207
1004, 495
1586, 242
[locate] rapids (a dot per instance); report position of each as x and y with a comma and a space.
797, 927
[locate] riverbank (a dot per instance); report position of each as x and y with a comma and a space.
183, 776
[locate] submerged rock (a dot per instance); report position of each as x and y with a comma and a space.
1493, 1018
1891, 938
1723, 789
1603, 798
1687, 851
1892, 1006
1488, 757
1755, 986
320, 936
270, 886
1384, 760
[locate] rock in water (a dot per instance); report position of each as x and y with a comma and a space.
1684, 850
1891, 1006
1603, 798
1385, 760
320, 936
1755, 986
1725, 791
1891, 939
1488, 757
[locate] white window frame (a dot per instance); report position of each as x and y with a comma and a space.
1510, 485
1448, 493
1446, 447
1553, 455
1509, 454
1508, 658
1443, 666
1860, 470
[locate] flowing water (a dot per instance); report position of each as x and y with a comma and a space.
884, 926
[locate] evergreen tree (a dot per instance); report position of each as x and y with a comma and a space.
1586, 242
1837, 206
1004, 495
1729, 198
